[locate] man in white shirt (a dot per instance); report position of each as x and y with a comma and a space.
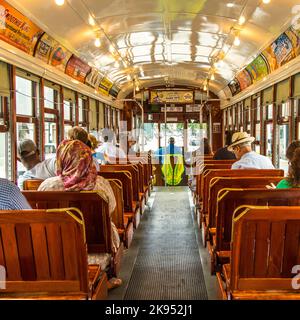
109, 150
247, 159
28, 154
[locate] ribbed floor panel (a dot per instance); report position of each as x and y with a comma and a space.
168, 265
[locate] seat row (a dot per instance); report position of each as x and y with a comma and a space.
251, 232
67, 229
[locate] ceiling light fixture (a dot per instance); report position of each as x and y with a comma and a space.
242, 20
212, 76
97, 41
266, 1
128, 77
237, 40
92, 21
230, 5
137, 88
60, 2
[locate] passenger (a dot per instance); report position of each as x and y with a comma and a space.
94, 144
293, 178
78, 133
224, 153
76, 172
28, 154
108, 149
11, 197
171, 149
247, 159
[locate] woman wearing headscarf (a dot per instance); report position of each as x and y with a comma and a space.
76, 171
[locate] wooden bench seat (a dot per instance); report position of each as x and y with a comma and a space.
218, 183
44, 256
230, 199
96, 218
131, 207
209, 174
265, 248
124, 224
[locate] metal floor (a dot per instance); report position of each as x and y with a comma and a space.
165, 259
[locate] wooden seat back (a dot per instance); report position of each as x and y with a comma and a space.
201, 173
118, 214
218, 183
32, 184
44, 254
265, 249
126, 179
216, 172
134, 171
230, 199
93, 207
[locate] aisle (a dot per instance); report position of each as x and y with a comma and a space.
168, 263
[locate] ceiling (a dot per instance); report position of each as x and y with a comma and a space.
163, 41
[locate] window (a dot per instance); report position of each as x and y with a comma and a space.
24, 97
283, 144
83, 111
27, 100
4, 154
151, 136
51, 102
285, 110
269, 140
269, 111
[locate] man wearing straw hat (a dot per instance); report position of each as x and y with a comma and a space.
247, 159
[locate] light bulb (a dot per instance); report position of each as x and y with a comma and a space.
242, 20
266, 1
230, 4
92, 21
60, 2
128, 77
97, 42
212, 76
137, 88
205, 87
117, 64
237, 41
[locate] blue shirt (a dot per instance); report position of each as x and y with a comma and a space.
11, 197
170, 149
253, 160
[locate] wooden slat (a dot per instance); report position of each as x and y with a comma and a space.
248, 247
2, 258
262, 247
41, 286
40, 251
291, 247
276, 249
25, 250
69, 246
55, 252
13, 271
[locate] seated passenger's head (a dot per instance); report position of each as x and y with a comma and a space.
93, 142
107, 135
28, 153
171, 140
78, 133
241, 144
291, 149
75, 165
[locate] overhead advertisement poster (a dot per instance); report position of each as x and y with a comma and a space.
171, 96
114, 91
18, 30
44, 47
59, 57
244, 79
258, 69
77, 69
105, 85
94, 78
234, 86
282, 48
